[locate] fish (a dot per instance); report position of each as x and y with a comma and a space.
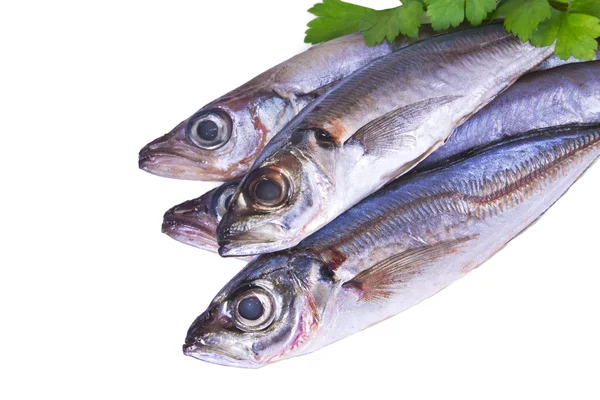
366, 131
391, 251
565, 95
221, 140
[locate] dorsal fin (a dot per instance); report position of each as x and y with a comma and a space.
381, 280
393, 130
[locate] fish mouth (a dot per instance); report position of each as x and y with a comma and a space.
175, 166
213, 355
265, 238
187, 224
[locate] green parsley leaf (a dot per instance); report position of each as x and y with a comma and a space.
573, 24
524, 16
577, 36
335, 18
444, 13
547, 31
477, 10
589, 7
575, 33
388, 24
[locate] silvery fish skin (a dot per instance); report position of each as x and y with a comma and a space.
366, 131
221, 140
390, 252
562, 96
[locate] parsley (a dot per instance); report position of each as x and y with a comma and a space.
522, 17
573, 31
444, 13
573, 24
387, 24
334, 19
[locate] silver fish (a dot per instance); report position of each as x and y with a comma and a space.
562, 96
366, 131
390, 252
222, 139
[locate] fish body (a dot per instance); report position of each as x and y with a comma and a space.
222, 139
565, 95
367, 130
394, 249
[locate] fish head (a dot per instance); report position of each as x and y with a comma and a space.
262, 315
217, 143
278, 202
194, 222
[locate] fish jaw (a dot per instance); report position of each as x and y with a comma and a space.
207, 354
204, 343
192, 223
268, 237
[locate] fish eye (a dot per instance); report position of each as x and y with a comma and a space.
251, 308
254, 309
268, 188
323, 138
223, 200
210, 130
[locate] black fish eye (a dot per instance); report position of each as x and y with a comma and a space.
267, 190
209, 130
324, 138
254, 309
251, 308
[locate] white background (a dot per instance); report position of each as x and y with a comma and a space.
95, 301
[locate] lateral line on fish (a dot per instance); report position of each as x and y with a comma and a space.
451, 200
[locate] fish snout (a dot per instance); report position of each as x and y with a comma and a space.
192, 223
159, 145
173, 156
187, 210
206, 328
209, 339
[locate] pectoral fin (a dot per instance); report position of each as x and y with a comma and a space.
383, 279
394, 130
